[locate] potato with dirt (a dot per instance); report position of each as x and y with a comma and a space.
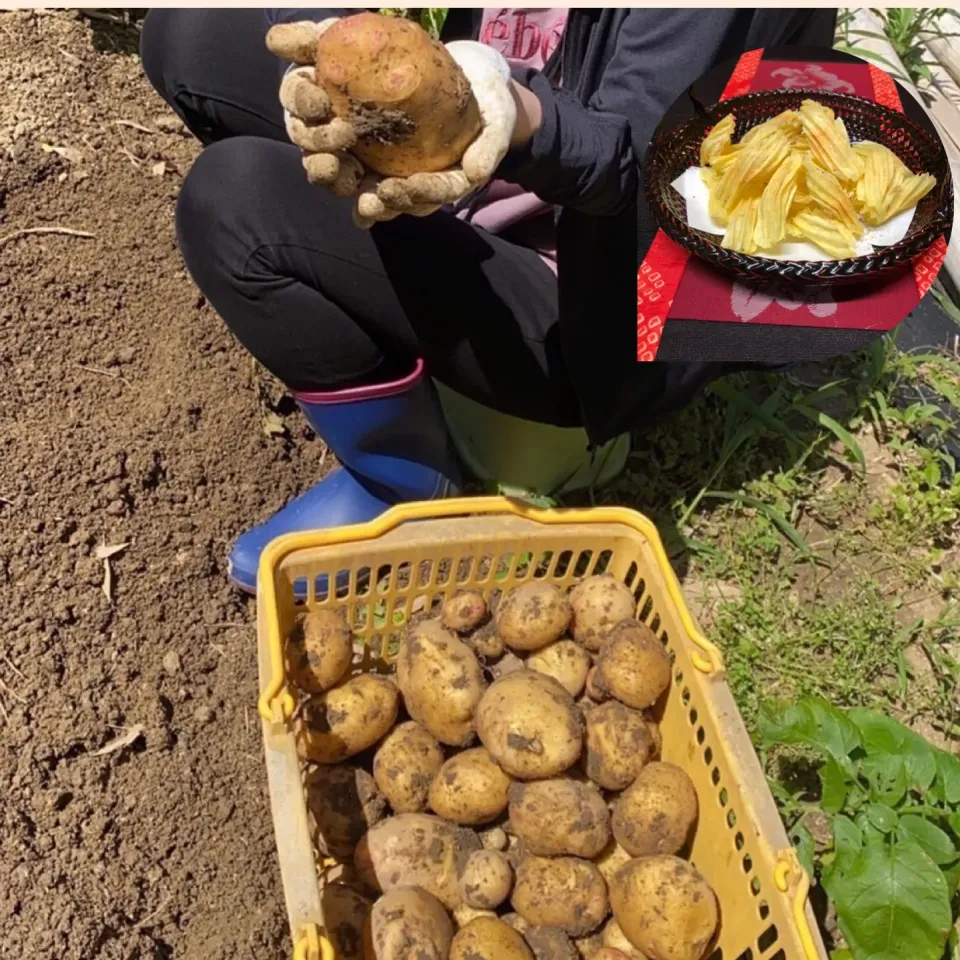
563, 892
344, 803
465, 914
665, 908
567, 662
319, 651
407, 99
487, 879
615, 940
441, 682
633, 665
532, 615
485, 642
530, 725
489, 938
416, 850
405, 765
560, 817
347, 719
464, 611
344, 916
407, 922
599, 603
611, 860
546, 943
657, 813
618, 744
470, 789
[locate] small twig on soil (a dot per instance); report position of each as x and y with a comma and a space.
13, 693
136, 161
68, 55
228, 626
135, 126
8, 661
219, 649
150, 916
104, 373
64, 231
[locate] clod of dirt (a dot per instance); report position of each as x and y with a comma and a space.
171, 662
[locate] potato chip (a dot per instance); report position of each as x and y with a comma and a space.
911, 189
825, 190
742, 227
829, 143
814, 224
754, 165
787, 122
775, 203
717, 140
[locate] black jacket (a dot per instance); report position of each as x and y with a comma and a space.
621, 70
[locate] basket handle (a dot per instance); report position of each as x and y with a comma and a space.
789, 866
276, 703
313, 945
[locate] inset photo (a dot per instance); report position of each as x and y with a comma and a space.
800, 205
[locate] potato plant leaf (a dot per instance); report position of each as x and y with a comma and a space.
812, 722
833, 787
847, 844
894, 904
880, 734
929, 837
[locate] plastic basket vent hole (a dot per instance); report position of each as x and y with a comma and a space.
678, 676
404, 574
384, 578
424, 569
646, 610
746, 955
484, 566
542, 569
731, 819
632, 572
701, 735
685, 695
603, 561
694, 716
708, 756
363, 582
655, 623
392, 646
343, 584
504, 566
755, 886
464, 569
723, 797
767, 939
738, 841
582, 567
764, 910
443, 571
563, 563
779, 955
525, 566
715, 776
747, 863
716, 955
376, 646
359, 618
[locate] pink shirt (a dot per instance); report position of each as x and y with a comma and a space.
526, 37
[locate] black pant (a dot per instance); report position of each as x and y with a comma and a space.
321, 303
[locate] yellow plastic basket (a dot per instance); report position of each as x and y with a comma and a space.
382, 572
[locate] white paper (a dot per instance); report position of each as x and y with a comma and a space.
690, 185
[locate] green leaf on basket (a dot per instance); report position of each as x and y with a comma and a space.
894, 904
929, 837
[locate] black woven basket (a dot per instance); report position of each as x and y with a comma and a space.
673, 151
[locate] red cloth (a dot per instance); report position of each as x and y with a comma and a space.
693, 290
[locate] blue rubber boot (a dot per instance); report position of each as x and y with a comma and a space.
392, 442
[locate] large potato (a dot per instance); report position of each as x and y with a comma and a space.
633, 665
319, 651
618, 744
406, 923
405, 765
616, 940
416, 850
348, 719
488, 938
546, 943
344, 803
470, 789
344, 917
532, 615
464, 611
561, 817
441, 682
599, 603
657, 812
486, 880
560, 892
530, 725
665, 908
407, 98
567, 662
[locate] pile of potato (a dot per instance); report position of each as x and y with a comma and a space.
519, 802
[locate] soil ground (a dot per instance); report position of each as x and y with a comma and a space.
129, 416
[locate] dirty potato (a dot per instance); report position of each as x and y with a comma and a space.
618, 744
633, 665
345, 914
560, 817
486, 880
599, 603
665, 908
545, 943
405, 765
657, 812
532, 615
465, 914
489, 938
611, 860
530, 725
319, 651
563, 892
347, 719
567, 662
416, 850
470, 789
485, 642
344, 803
464, 611
407, 922
441, 682
615, 939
